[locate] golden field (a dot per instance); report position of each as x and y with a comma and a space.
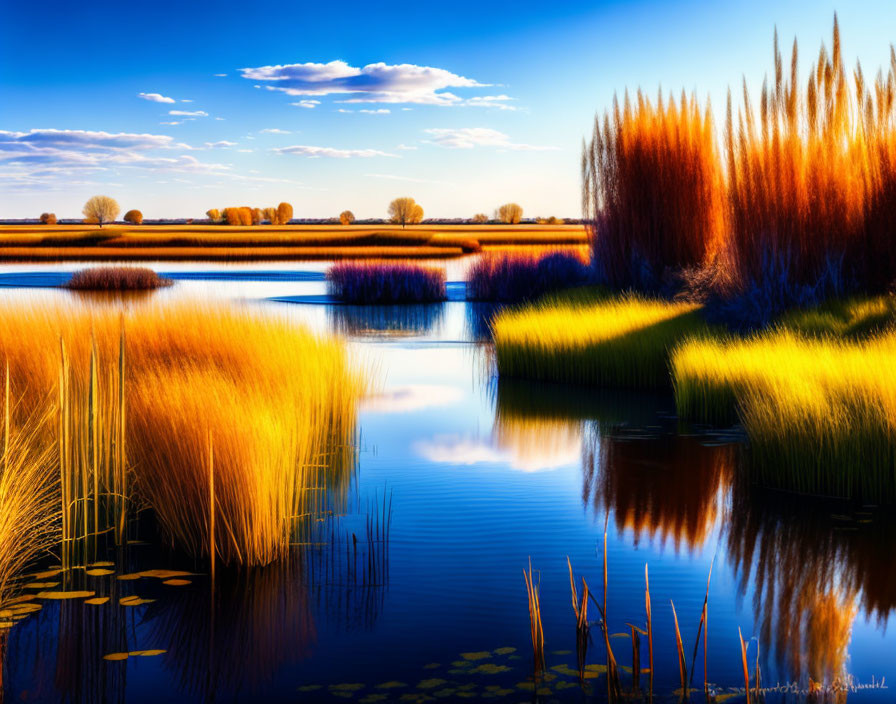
263, 242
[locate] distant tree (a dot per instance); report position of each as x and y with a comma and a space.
270, 214
510, 213
405, 211
232, 216
284, 213
480, 218
214, 215
346, 217
135, 217
257, 216
103, 209
245, 216
48, 218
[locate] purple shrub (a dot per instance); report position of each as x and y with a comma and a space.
385, 283
515, 278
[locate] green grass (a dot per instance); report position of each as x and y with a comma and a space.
588, 337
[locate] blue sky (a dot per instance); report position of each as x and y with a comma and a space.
177, 107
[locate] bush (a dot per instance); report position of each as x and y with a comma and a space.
214, 215
232, 216
386, 283
480, 218
257, 216
48, 218
346, 217
135, 217
284, 213
116, 278
513, 278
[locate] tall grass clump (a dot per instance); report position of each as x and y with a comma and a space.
382, 282
811, 187
613, 342
274, 403
653, 193
819, 412
116, 278
514, 278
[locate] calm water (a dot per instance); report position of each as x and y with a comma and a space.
480, 477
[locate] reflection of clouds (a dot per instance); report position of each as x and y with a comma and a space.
413, 397
460, 450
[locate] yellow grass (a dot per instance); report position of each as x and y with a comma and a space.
820, 412
614, 341
276, 401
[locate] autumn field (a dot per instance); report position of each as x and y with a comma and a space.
222, 242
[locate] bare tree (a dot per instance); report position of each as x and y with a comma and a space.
510, 213
346, 217
101, 209
405, 211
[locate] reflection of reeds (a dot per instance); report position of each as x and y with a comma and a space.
807, 575
665, 487
385, 320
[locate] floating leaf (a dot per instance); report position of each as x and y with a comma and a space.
64, 595
116, 656
129, 577
490, 668
431, 683
461, 663
48, 573
98, 601
446, 692
565, 670
481, 655
373, 698
41, 585
165, 574
392, 684
146, 653
134, 601
177, 582
347, 687
504, 651
101, 564
100, 572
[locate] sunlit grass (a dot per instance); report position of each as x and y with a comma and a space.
274, 403
819, 412
619, 341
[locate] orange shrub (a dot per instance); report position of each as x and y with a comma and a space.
135, 217
48, 218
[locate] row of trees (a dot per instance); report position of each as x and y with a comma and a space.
244, 215
100, 210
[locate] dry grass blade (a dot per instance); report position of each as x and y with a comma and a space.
743, 658
649, 626
682, 665
535, 626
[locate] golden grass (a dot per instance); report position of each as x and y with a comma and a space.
211, 253
820, 412
621, 341
277, 402
29, 502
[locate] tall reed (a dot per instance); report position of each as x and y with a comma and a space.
384, 282
277, 402
533, 588
652, 190
514, 278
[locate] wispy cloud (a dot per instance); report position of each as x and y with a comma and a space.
330, 152
407, 147
220, 75
470, 137
189, 113
156, 97
274, 130
501, 102
221, 144
373, 83
380, 111
306, 104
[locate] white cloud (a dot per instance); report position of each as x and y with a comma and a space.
221, 144
156, 97
274, 130
380, 111
343, 110
171, 122
414, 397
373, 83
469, 137
219, 118
188, 113
220, 75
306, 104
186, 100
330, 152
245, 151
407, 147
490, 101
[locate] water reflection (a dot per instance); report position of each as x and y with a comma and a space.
812, 566
479, 319
391, 320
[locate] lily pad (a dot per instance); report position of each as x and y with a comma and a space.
134, 601
481, 655
98, 601
430, 683
64, 595
489, 668
504, 651
146, 653
100, 572
177, 582
116, 656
